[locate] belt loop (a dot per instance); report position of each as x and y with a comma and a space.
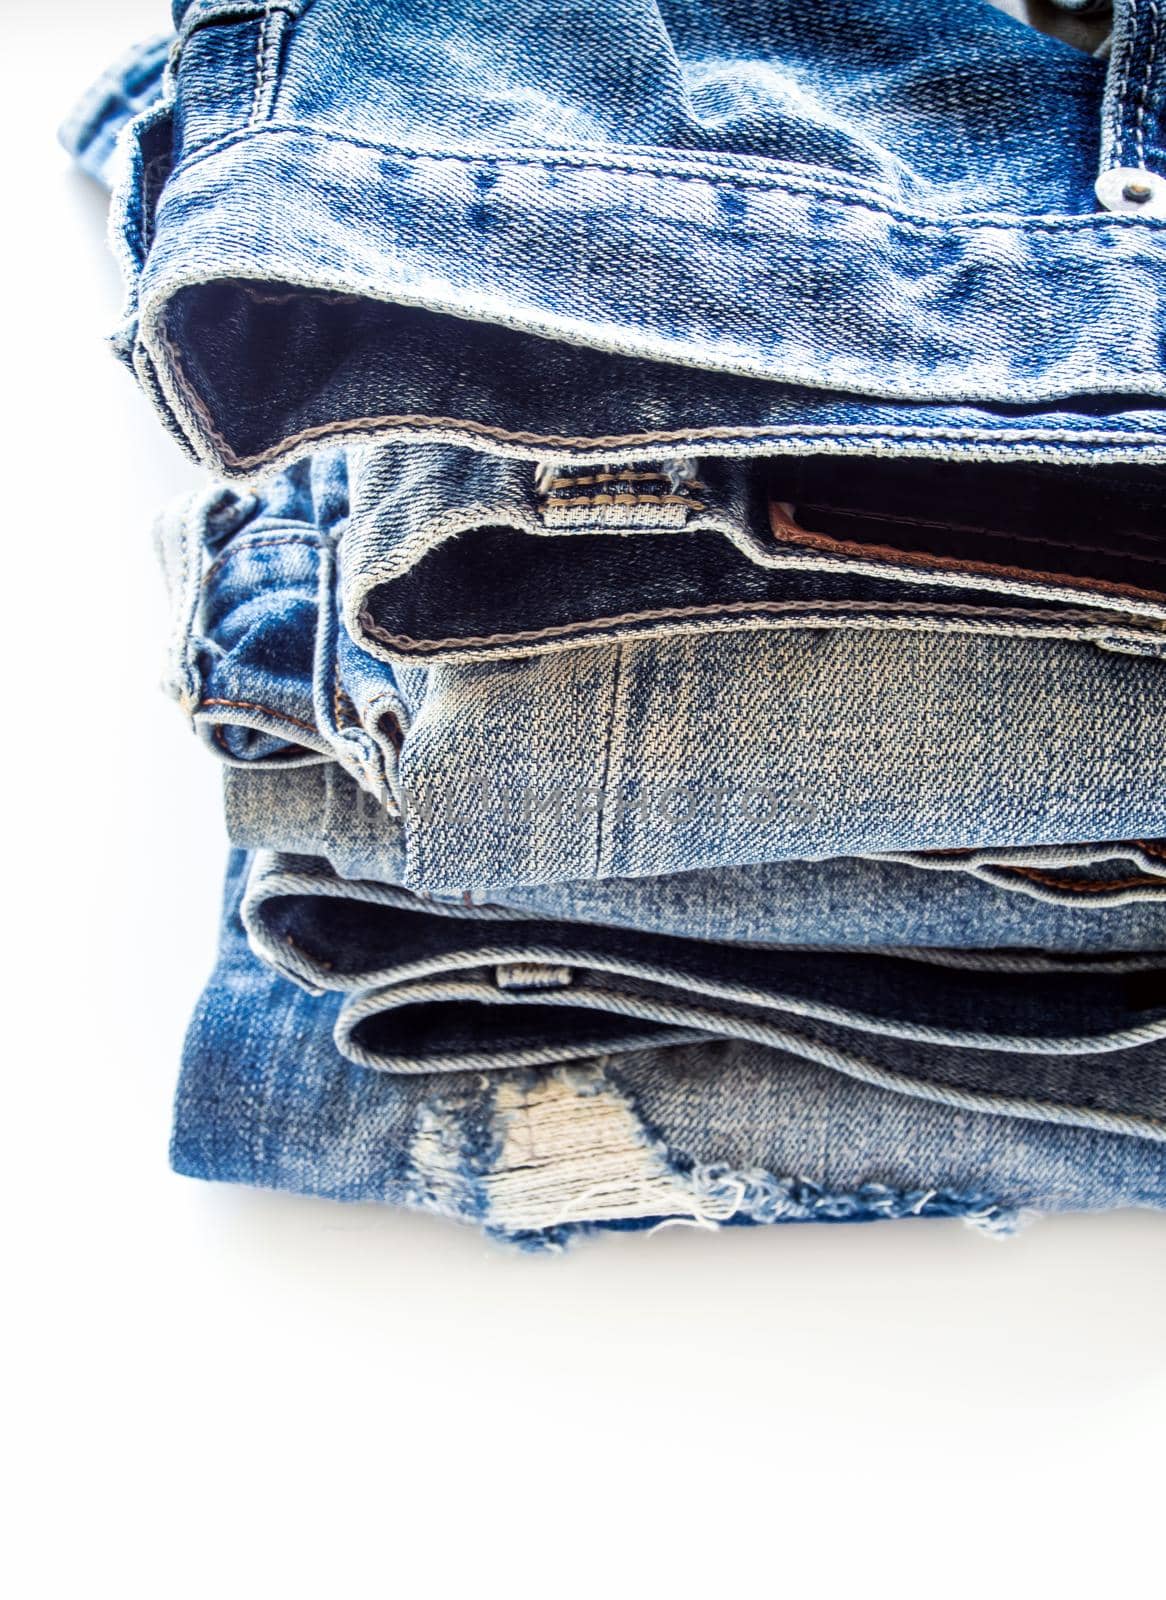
1132, 158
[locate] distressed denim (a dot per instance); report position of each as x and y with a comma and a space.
879, 227
646, 756
536, 698
710, 1133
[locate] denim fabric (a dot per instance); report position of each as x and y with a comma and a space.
712, 1133
569, 693
428, 541
1105, 897
429, 555
645, 756
885, 227
666, 756
441, 987
131, 86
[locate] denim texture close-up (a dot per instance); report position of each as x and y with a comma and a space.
680, 605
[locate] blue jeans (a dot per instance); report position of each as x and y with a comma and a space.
648, 816
730, 1132
434, 986
668, 753
880, 227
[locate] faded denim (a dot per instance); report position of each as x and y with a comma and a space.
879, 227
710, 1133
1101, 898
936, 674
132, 85
645, 756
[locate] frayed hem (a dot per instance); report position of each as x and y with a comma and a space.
759, 1199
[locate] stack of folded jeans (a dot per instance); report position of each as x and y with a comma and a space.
681, 606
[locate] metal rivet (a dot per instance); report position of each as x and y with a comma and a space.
1132, 190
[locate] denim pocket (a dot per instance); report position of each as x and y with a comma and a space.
243, 627
1088, 541
255, 657
453, 555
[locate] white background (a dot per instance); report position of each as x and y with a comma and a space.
227, 1393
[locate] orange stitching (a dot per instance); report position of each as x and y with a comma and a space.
1073, 886
989, 533
251, 705
782, 528
617, 477
337, 693
352, 427
625, 500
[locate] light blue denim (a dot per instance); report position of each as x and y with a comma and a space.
586, 231
133, 85
1099, 898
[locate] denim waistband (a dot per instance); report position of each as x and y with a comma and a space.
445, 555
716, 1132
451, 555
810, 268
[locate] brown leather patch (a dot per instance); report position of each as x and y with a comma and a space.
923, 544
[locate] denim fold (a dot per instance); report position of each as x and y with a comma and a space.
680, 601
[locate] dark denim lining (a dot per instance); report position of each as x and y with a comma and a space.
1091, 532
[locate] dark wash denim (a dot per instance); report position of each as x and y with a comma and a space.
587, 233
435, 537
709, 1133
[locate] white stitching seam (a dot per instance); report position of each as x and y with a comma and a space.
1147, 81
1119, 103
867, 431
261, 66
1089, 619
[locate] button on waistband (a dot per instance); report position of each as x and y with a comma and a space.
1132, 190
